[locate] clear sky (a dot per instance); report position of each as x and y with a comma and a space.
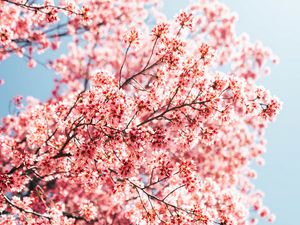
277, 24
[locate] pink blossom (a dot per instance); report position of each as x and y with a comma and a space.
185, 19
160, 30
132, 37
17, 100
31, 63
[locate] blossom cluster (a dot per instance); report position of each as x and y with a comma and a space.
150, 135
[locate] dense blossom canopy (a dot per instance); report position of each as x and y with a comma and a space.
150, 122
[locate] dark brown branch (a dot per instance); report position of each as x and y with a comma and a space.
172, 109
140, 73
25, 210
40, 8
125, 57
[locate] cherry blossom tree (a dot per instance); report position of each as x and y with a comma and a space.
151, 121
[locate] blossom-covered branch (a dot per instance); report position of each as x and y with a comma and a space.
145, 125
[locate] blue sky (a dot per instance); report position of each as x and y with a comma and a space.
276, 23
